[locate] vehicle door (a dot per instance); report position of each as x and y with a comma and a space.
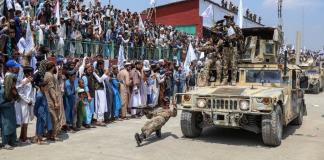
296, 93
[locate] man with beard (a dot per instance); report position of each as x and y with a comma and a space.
89, 88
100, 94
136, 100
53, 103
123, 78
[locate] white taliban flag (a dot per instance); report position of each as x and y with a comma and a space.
152, 2
140, 23
240, 18
29, 38
121, 57
57, 12
208, 12
191, 56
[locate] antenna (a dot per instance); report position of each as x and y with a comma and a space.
280, 23
303, 27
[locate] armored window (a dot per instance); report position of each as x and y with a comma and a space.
269, 48
263, 76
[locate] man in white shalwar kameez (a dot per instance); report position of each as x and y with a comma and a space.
24, 105
100, 92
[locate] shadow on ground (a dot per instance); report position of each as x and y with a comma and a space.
238, 137
154, 138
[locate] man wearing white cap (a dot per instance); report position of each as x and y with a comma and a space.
123, 77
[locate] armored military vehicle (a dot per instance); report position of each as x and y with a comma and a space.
266, 98
312, 79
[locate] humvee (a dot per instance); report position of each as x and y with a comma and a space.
267, 96
312, 79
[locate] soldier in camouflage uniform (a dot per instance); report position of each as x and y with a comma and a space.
214, 63
231, 47
157, 119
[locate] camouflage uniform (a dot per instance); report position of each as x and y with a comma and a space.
157, 119
232, 47
213, 63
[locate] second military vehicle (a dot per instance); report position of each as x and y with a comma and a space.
312, 79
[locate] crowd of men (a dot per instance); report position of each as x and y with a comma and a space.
248, 14
78, 28
67, 93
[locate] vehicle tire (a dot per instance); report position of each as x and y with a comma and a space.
299, 119
317, 90
190, 124
272, 127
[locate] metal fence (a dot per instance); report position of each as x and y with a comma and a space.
110, 50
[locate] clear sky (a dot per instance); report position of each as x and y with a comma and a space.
292, 14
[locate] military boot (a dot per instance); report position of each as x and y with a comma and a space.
158, 133
138, 139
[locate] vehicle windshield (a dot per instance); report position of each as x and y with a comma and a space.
263, 76
313, 71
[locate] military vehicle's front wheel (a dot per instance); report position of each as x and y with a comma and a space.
299, 120
272, 127
190, 124
317, 90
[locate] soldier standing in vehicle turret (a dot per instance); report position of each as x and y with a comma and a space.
214, 53
232, 46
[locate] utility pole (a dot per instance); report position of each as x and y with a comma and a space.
109, 2
303, 28
280, 21
298, 47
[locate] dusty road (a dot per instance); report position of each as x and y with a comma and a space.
117, 142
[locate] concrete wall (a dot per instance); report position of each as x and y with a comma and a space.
181, 13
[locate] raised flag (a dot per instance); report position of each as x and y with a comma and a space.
57, 12
29, 38
208, 12
121, 57
191, 56
240, 18
152, 2
141, 24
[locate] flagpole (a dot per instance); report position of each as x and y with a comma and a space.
213, 15
154, 9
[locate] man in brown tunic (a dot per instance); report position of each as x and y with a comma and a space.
51, 96
136, 77
123, 77
59, 92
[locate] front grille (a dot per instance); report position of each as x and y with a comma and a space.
223, 104
304, 82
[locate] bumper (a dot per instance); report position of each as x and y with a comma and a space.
226, 119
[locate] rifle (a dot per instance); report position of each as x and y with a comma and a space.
143, 108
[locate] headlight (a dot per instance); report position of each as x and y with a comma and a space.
244, 105
201, 103
187, 97
265, 101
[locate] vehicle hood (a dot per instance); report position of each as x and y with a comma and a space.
314, 76
239, 91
